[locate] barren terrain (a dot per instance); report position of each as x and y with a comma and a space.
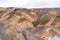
29, 24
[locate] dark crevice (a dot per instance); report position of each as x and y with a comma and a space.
25, 36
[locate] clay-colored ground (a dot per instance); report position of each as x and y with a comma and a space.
17, 23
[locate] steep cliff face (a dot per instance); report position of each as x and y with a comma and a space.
18, 23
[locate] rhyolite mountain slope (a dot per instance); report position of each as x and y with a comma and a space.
29, 24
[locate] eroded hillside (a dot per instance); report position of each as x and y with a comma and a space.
29, 24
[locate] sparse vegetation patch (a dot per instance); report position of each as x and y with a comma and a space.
40, 21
